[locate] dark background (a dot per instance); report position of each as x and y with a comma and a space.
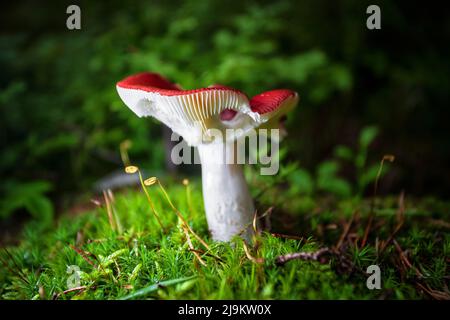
62, 120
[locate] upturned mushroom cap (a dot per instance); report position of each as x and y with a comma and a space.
192, 113
273, 106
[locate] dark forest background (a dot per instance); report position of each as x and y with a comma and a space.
62, 121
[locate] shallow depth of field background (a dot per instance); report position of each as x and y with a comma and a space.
62, 121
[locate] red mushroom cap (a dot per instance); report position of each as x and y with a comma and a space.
270, 101
186, 111
153, 82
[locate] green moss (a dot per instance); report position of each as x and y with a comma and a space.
114, 265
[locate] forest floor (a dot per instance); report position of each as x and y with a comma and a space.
119, 250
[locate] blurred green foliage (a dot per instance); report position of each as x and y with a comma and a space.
29, 196
306, 187
62, 120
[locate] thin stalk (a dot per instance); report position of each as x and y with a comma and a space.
188, 195
389, 158
150, 200
114, 212
109, 211
181, 217
191, 246
124, 146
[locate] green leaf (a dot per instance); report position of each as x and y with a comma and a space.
367, 135
327, 179
28, 195
343, 152
40, 207
360, 160
58, 142
301, 182
327, 169
337, 186
154, 287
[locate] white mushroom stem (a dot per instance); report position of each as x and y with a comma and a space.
228, 204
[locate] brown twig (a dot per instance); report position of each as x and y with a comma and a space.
79, 289
400, 222
435, 294
405, 260
345, 232
207, 254
18, 271
308, 256
250, 257
367, 230
287, 236
439, 223
83, 255
391, 238
191, 247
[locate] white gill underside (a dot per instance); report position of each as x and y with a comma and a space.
191, 115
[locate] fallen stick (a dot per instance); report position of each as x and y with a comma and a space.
311, 256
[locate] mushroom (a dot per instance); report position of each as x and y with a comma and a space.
197, 115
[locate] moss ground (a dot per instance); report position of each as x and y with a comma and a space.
122, 252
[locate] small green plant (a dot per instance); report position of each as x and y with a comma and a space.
365, 174
327, 178
30, 196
